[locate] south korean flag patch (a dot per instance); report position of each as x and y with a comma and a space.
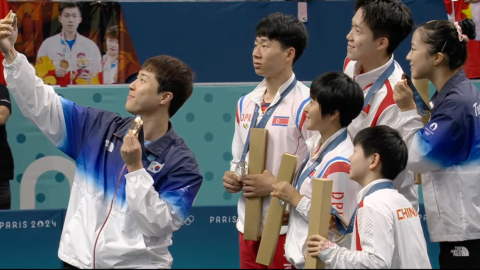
155, 167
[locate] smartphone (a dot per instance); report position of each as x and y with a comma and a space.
136, 125
14, 18
405, 79
11, 15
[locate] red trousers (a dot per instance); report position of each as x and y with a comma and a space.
249, 250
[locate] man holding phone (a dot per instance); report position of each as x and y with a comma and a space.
131, 190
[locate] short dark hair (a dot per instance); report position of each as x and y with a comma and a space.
173, 76
289, 31
386, 142
387, 18
442, 36
64, 5
336, 91
112, 32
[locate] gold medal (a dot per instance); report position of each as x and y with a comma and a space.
64, 64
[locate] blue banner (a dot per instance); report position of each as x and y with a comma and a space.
29, 239
208, 239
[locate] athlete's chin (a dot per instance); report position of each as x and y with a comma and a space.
131, 109
352, 176
308, 125
416, 75
259, 72
352, 55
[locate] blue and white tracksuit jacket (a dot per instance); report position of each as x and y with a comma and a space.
115, 218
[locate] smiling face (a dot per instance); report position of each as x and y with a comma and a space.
112, 46
315, 120
420, 58
143, 98
361, 44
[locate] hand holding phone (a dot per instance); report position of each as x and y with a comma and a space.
136, 125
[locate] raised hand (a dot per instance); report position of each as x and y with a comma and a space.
8, 37
403, 96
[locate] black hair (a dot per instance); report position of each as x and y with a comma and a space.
173, 76
289, 31
387, 18
442, 36
64, 5
388, 144
336, 91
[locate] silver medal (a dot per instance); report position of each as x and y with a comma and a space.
241, 168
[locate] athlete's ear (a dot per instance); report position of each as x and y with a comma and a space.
374, 161
383, 43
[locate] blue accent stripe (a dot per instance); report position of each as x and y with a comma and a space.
240, 108
298, 181
331, 162
300, 110
178, 200
65, 145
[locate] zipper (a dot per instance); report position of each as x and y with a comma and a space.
109, 211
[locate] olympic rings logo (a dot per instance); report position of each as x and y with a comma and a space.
189, 220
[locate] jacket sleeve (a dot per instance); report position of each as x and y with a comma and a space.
159, 212
407, 123
237, 143
440, 144
375, 228
65, 124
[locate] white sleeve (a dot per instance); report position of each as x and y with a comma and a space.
237, 143
376, 234
37, 102
407, 123
441, 144
65, 124
303, 207
152, 214
426, 148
